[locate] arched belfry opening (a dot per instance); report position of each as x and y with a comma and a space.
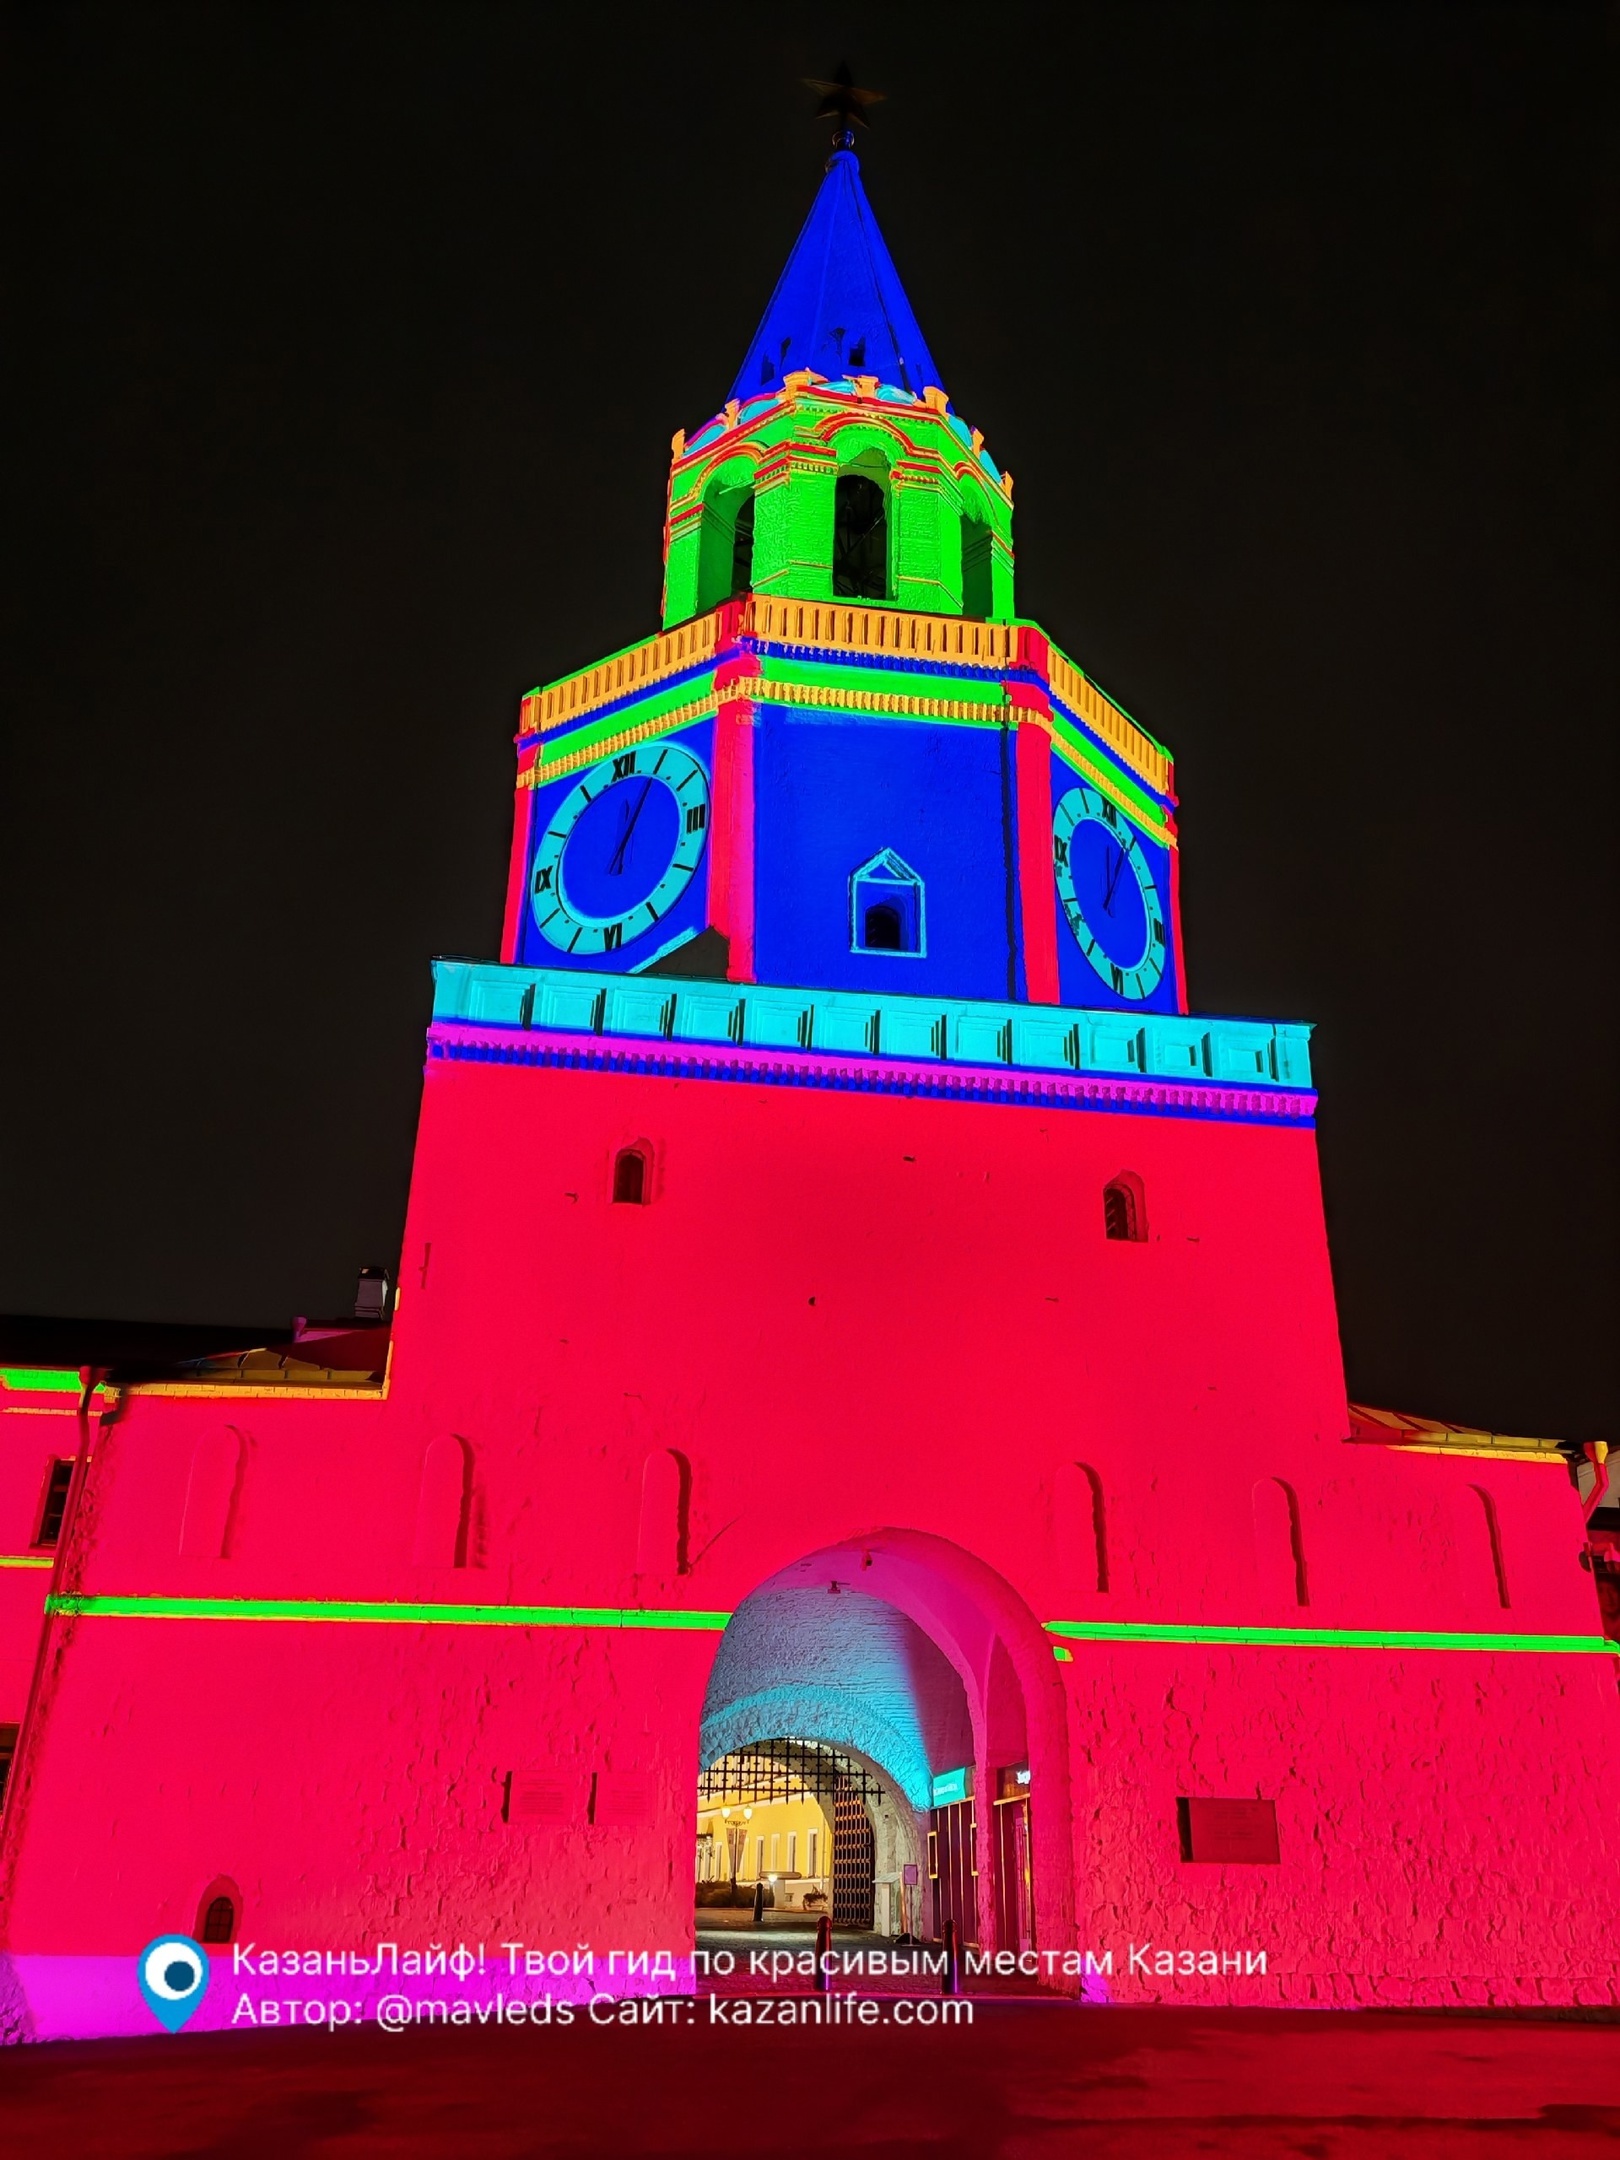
890, 1712
978, 578
726, 546
860, 553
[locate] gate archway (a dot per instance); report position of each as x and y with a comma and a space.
906, 1650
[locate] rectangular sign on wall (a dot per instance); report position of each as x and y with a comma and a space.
623, 1799
1241, 1831
539, 1796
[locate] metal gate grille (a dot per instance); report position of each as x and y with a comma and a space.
854, 1858
783, 1770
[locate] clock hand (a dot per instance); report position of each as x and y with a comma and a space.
1113, 883
616, 859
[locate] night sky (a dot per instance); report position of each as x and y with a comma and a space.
347, 344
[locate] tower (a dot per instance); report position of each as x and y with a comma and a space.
864, 1346
846, 763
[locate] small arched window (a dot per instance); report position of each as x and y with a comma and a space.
219, 1921
886, 906
1125, 1209
219, 1912
630, 1178
860, 564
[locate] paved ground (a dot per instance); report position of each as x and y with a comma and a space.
1031, 2081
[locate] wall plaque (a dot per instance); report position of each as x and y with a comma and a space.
1242, 1831
622, 1799
539, 1796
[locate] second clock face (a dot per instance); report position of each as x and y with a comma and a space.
620, 849
1109, 895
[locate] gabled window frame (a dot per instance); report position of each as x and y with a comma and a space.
896, 881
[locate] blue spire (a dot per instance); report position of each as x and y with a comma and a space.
839, 307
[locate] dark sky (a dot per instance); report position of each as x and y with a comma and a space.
346, 348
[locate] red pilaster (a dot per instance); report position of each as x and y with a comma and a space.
1177, 949
516, 875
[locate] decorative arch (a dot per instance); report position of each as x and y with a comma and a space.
850, 436
1490, 1568
726, 532
661, 1525
212, 1495
1080, 1517
1279, 1545
443, 1503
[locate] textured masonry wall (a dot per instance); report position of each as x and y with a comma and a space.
914, 1300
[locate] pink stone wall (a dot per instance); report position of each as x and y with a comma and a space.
853, 1321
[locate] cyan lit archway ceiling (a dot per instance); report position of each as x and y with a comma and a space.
849, 1669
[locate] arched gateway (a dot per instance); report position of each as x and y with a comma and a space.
891, 1679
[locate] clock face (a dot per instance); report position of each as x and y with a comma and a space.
620, 849
1109, 896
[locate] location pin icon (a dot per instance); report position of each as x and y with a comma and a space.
174, 1978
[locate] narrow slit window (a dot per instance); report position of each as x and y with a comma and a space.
1124, 1211
8, 1752
55, 1503
630, 1178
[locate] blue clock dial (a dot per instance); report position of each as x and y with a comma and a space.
1109, 895
620, 849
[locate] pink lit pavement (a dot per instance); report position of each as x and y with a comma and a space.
1027, 2081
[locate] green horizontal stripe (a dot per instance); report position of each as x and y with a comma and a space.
626, 1616
40, 1379
1303, 1638
26, 1560
219, 1608
642, 711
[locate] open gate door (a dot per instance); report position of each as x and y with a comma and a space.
854, 1858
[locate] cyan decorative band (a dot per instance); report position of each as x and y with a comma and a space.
874, 1076
1086, 1059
